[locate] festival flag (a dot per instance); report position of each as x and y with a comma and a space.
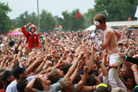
61, 16
136, 14
129, 19
78, 15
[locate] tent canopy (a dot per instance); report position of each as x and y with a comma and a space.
116, 24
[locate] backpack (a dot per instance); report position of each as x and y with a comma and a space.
28, 37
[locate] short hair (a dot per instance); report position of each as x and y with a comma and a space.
100, 18
53, 76
22, 85
77, 79
91, 80
64, 84
102, 89
66, 67
118, 89
37, 84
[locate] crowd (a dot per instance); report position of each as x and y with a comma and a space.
65, 62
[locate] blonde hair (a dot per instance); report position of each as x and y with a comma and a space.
64, 84
53, 76
118, 89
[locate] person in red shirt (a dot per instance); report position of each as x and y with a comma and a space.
31, 37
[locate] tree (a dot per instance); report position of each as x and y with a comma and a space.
47, 21
66, 21
5, 22
25, 18
76, 23
118, 10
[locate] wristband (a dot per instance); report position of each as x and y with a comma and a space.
125, 57
75, 62
76, 70
98, 42
135, 71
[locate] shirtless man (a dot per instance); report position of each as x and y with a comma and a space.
110, 43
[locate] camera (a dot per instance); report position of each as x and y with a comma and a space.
121, 44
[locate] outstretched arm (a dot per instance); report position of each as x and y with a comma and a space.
24, 31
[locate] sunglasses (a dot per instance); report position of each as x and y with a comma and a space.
96, 23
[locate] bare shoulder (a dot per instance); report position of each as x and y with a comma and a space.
108, 31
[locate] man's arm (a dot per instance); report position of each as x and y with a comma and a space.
24, 31
83, 79
130, 59
135, 71
107, 39
30, 85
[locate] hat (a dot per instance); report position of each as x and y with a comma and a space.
135, 89
18, 70
6, 75
11, 43
101, 84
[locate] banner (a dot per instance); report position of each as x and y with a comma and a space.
136, 14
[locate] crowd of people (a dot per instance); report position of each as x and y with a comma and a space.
67, 62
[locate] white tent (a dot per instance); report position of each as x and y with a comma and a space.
90, 28
116, 24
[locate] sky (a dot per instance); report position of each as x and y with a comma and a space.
54, 6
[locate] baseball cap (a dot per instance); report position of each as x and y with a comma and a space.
18, 70
6, 75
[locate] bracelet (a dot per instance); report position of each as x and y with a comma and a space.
76, 70
75, 62
125, 57
135, 71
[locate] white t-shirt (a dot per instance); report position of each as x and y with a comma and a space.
12, 87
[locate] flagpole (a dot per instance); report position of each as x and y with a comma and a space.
38, 16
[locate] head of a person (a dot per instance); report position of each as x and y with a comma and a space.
66, 67
94, 67
99, 20
129, 83
102, 88
122, 72
32, 28
118, 89
7, 77
55, 75
41, 81
19, 72
92, 80
66, 85
21, 85
135, 89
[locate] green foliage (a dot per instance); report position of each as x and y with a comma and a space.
76, 23
47, 21
118, 10
5, 22
70, 22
